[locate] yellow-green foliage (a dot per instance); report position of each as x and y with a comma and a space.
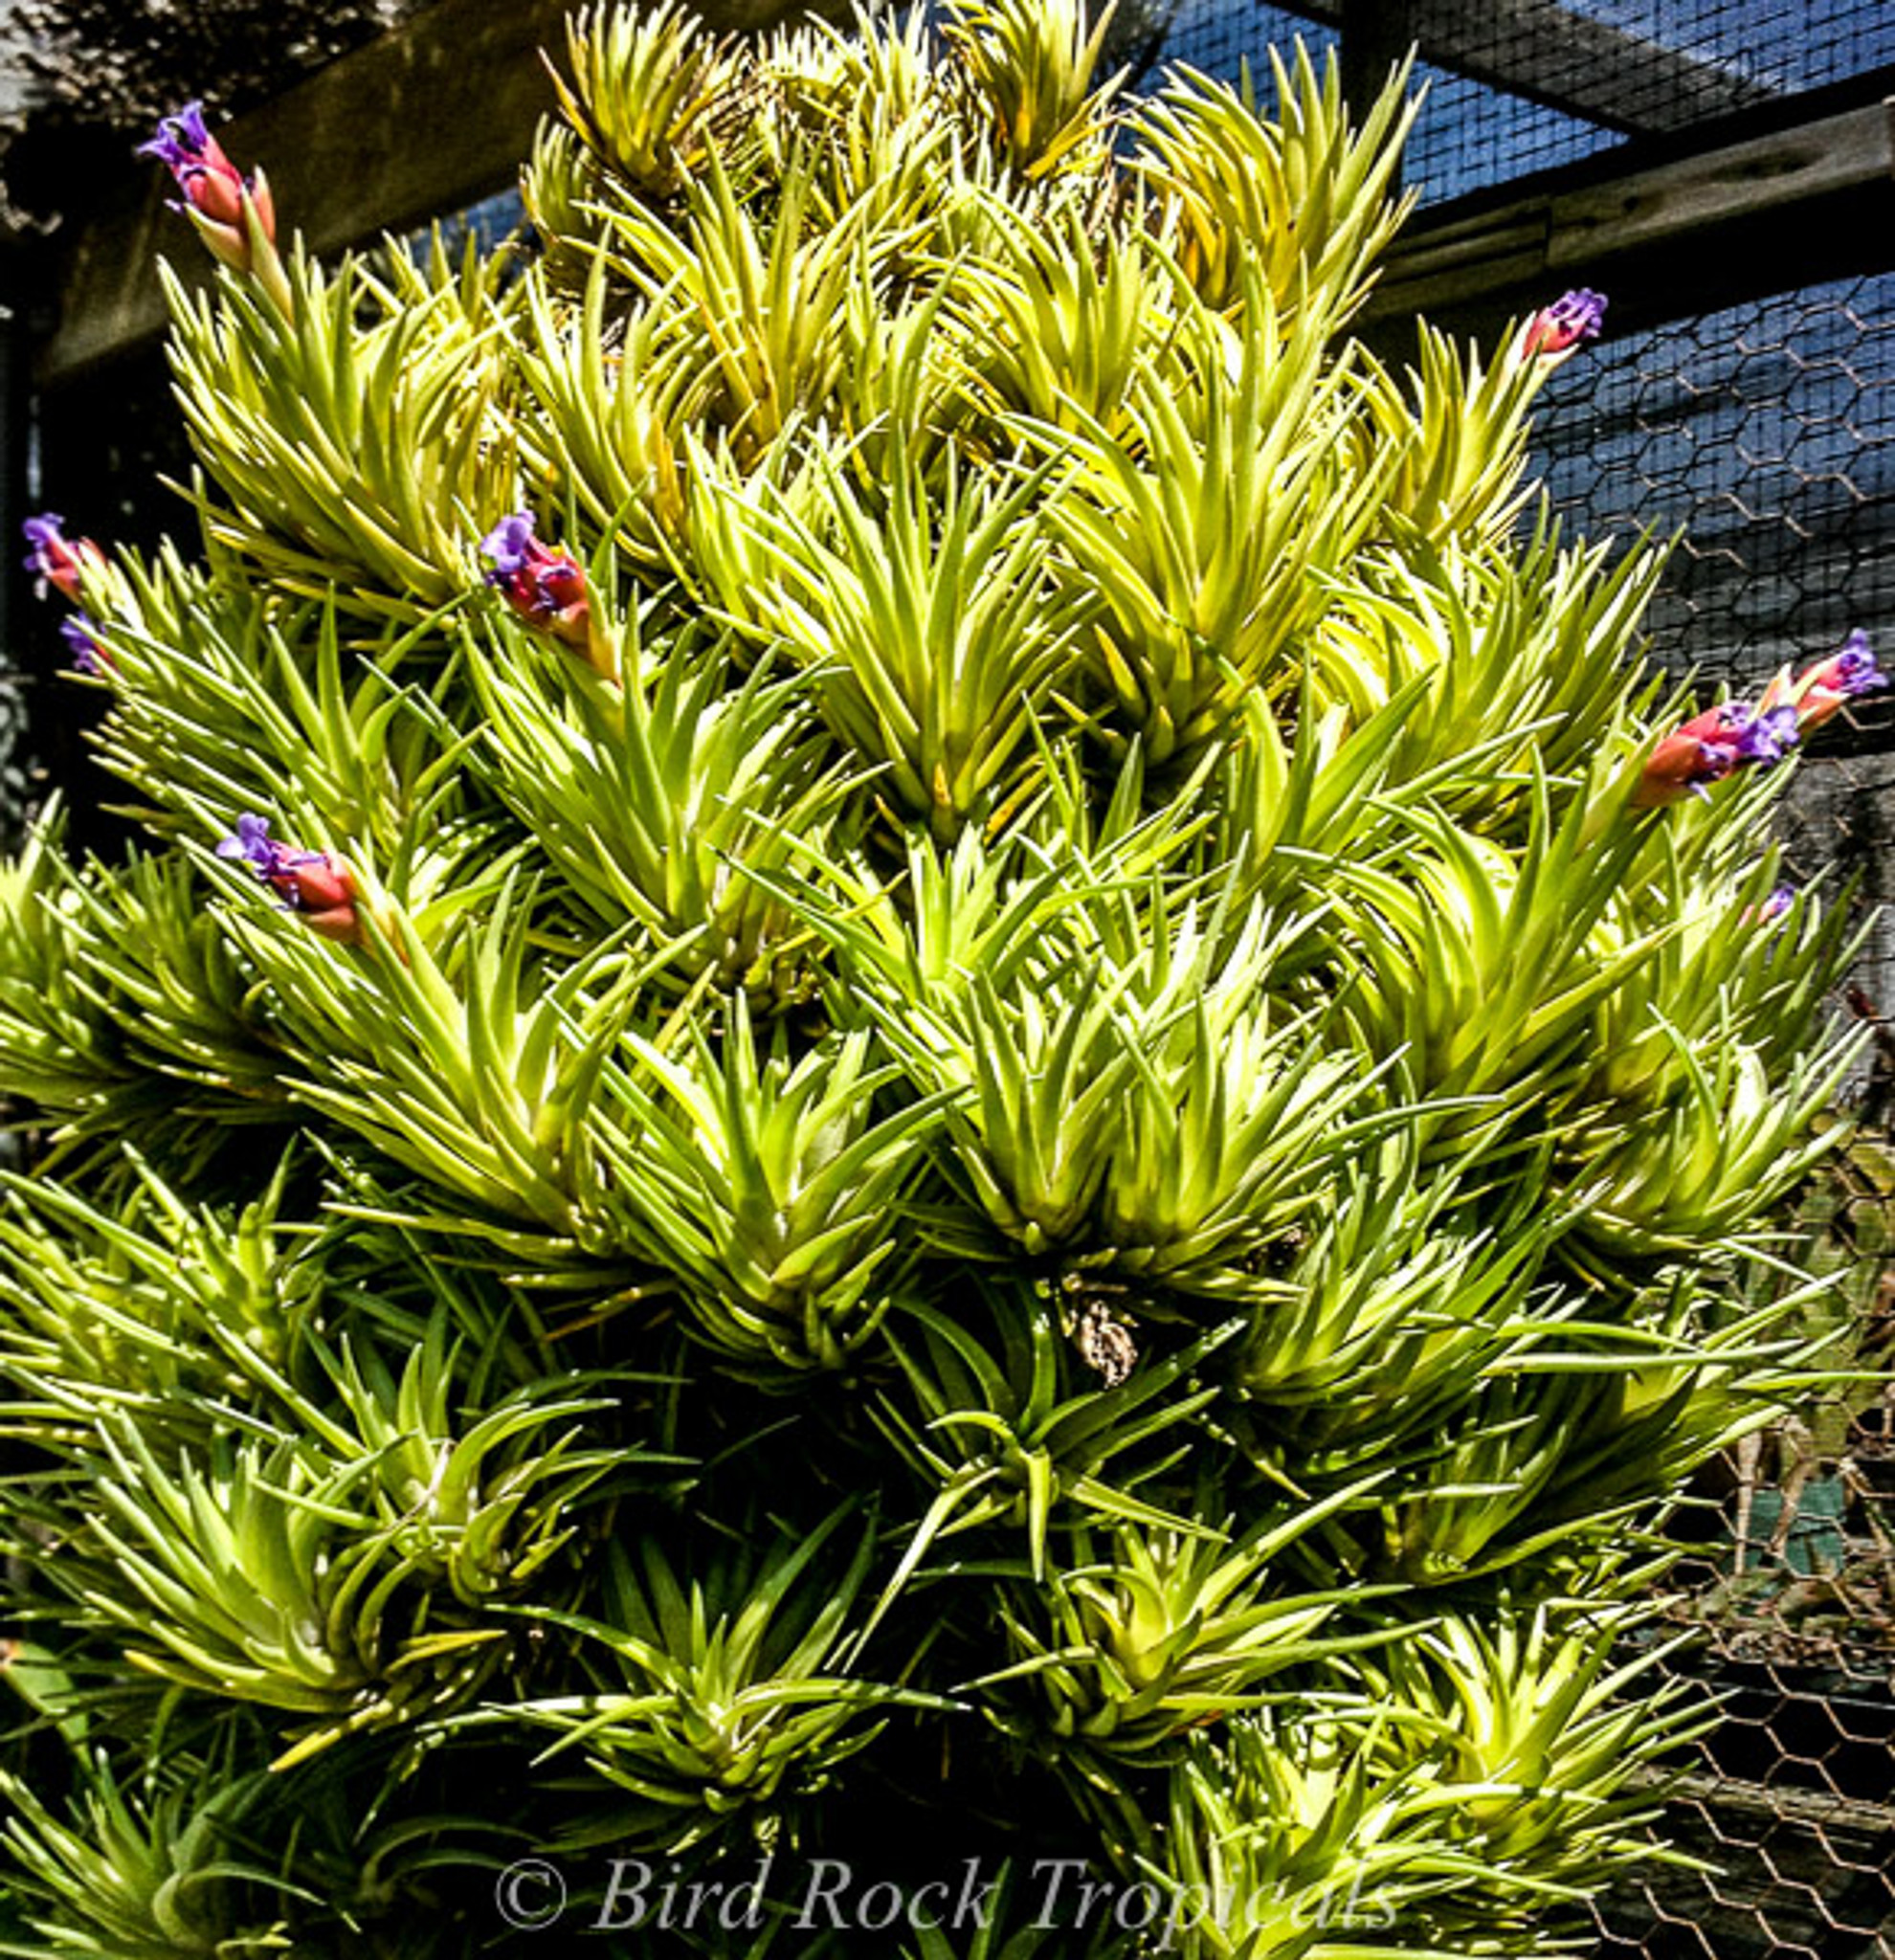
1013, 1144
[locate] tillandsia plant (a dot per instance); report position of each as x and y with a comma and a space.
933, 1104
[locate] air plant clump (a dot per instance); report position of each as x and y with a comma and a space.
1012, 1108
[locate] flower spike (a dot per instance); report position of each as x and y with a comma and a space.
547, 587
316, 883
89, 657
56, 560
233, 215
1709, 747
1822, 690
1556, 330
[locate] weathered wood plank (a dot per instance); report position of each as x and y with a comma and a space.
1798, 167
1589, 67
425, 120
419, 121
1822, 193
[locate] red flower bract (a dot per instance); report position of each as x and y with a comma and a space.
216, 194
547, 586
317, 884
1557, 329
62, 562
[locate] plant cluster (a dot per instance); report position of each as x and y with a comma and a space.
927, 1051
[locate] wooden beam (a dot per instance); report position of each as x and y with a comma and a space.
1375, 37
1548, 52
423, 122
1761, 215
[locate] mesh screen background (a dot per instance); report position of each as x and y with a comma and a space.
1469, 135
1521, 85
1658, 66
1766, 430
1217, 38
1766, 433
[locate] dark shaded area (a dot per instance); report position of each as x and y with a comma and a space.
97, 75
105, 71
109, 450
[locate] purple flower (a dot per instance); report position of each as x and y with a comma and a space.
216, 193
254, 843
181, 142
1821, 690
1766, 737
316, 883
46, 534
547, 587
511, 546
1710, 746
210, 182
542, 584
53, 558
1557, 329
88, 655
1855, 663
1773, 908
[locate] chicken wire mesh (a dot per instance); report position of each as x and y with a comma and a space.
1517, 86
1526, 85
1220, 39
1763, 431
1766, 433
1783, 1813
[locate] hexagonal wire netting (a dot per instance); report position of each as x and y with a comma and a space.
1767, 431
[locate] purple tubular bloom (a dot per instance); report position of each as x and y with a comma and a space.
1733, 735
181, 141
1573, 317
1579, 314
1768, 737
257, 848
1856, 671
282, 866
1779, 902
316, 883
1821, 691
88, 655
510, 544
229, 208
46, 534
263, 852
545, 587
56, 559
